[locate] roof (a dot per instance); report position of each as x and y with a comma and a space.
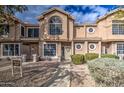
82, 25
54, 9
101, 18
109, 13
32, 25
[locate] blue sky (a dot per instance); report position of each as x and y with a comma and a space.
81, 13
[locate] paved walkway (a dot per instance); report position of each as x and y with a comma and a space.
81, 76
73, 76
62, 79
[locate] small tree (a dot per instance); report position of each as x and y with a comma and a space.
8, 11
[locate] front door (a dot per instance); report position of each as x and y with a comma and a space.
67, 52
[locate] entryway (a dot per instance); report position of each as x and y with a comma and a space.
29, 50
66, 52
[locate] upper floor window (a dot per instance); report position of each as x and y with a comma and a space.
90, 29
22, 31
118, 27
33, 32
4, 29
55, 26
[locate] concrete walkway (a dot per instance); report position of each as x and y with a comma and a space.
73, 76
81, 76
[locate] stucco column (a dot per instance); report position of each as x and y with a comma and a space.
72, 48
41, 49
113, 48
85, 47
59, 49
99, 43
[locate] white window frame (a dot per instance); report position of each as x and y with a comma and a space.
21, 30
60, 24
117, 49
92, 44
117, 29
9, 55
78, 44
33, 28
89, 28
50, 56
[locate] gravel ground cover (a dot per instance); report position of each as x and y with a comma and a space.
48, 74
4, 63
33, 75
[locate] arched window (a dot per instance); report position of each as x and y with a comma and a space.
55, 25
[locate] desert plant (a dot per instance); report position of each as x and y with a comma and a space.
107, 72
109, 56
78, 59
91, 56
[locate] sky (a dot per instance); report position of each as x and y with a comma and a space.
81, 13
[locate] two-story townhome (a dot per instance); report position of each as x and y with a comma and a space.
18, 38
57, 36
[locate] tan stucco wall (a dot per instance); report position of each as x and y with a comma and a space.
71, 29
82, 50
105, 28
67, 25
79, 32
79, 51
94, 34
96, 50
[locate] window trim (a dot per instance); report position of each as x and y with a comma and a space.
21, 31
49, 32
4, 29
117, 49
10, 55
92, 28
50, 56
119, 22
92, 44
78, 44
33, 30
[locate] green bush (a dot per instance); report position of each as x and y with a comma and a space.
91, 56
107, 72
78, 59
109, 56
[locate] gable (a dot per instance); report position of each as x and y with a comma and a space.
54, 10
113, 14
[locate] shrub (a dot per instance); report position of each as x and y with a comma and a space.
91, 56
109, 56
78, 59
107, 72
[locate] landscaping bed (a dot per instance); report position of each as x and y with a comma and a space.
34, 74
4, 63
107, 72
